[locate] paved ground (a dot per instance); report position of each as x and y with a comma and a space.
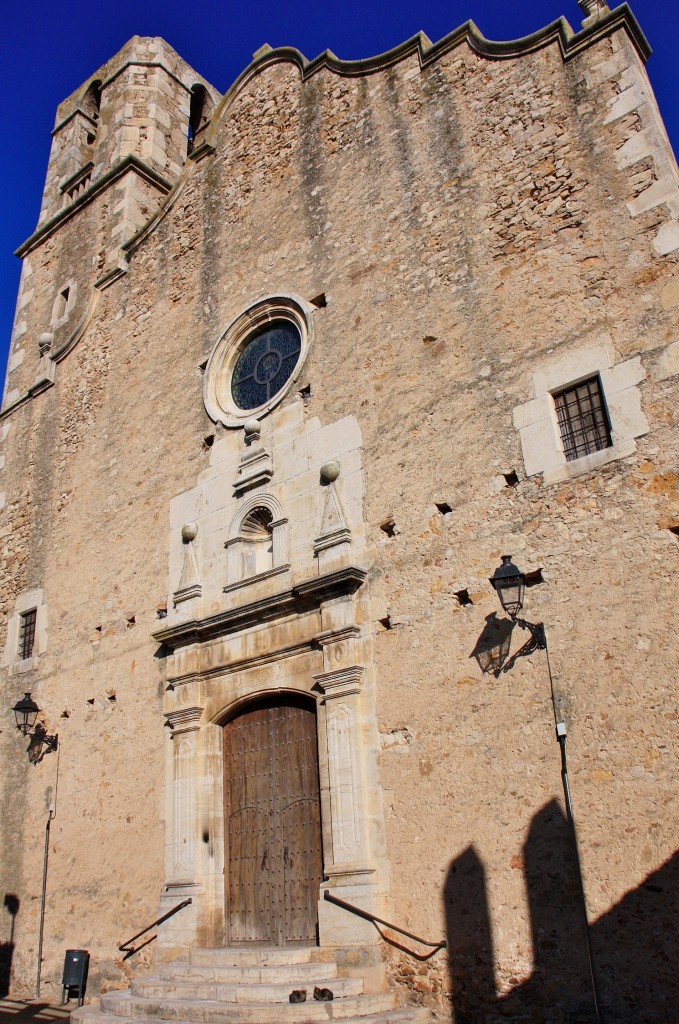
24, 1010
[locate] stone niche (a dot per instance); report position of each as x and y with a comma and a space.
267, 597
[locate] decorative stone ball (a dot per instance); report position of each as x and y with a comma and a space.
189, 532
330, 471
251, 426
45, 342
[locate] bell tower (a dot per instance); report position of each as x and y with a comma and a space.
119, 145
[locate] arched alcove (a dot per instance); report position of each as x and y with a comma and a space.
257, 540
91, 101
257, 544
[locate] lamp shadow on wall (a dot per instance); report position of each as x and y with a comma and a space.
11, 905
634, 943
492, 646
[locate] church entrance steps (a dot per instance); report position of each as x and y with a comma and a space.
243, 992
208, 1011
400, 1015
260, 956
249, 986
305, 974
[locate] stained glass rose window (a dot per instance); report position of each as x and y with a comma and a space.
265, 364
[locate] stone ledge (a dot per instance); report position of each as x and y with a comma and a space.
299, 598
128, 163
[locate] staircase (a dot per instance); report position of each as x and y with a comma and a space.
248, 986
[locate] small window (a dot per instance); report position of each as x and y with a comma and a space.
27, 633
583, 420
200, 112
61, 305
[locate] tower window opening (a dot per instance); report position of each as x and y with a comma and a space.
61, 306
92, 101
200, 109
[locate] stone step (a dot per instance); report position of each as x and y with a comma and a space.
259, 956
302, 974
247, 992
402, 1015
205, 1011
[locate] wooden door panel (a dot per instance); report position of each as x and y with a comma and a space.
249, 853
273, 828
300, 830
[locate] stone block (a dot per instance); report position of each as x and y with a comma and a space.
668, 364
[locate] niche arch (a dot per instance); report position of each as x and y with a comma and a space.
257, 546
91, 101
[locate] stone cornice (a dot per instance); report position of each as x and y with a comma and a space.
74, 113
131, 162
299, 598
184, 719
341, 682
557, 32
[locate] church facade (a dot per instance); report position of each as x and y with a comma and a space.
292, 368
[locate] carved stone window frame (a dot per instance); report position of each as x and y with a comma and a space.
537, 422
219, 403
29, 600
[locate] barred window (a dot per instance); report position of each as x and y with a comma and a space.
583, 419
27, 633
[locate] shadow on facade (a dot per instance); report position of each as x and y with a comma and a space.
24, 1010
11, 905
635, 946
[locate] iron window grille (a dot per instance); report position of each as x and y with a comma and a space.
583, 419
27, 633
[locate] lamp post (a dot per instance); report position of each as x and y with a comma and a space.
26, 712
510, 585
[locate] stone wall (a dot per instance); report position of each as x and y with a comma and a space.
471, 217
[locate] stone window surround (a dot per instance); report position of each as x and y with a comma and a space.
25, 602
219, 404
537, 423
57, 320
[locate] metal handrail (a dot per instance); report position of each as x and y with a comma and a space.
353, 909
129, 950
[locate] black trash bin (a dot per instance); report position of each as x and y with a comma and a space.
76, 963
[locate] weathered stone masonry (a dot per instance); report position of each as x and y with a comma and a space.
465, 229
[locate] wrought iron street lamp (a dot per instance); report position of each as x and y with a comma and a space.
26, 712
510, 584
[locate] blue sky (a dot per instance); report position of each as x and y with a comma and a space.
47, 50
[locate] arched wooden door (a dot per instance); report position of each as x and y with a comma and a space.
274, 865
